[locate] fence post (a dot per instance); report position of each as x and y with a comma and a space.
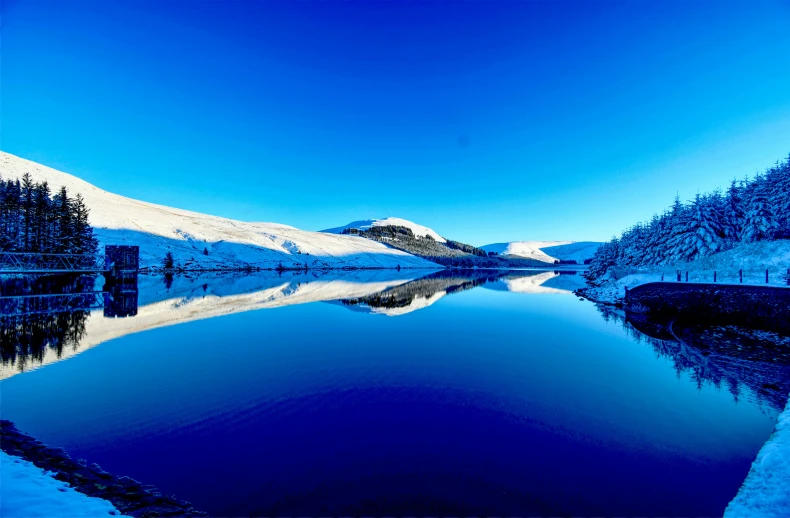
687, 275
662, 276
740, 273
678, 275
788, 276
714, 275
766, 276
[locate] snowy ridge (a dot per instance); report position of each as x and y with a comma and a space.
546, 251
158, 229
766, 491
419, 230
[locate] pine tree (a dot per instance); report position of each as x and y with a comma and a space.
706, 224
759, 221
84, 240
733, 215
681, 243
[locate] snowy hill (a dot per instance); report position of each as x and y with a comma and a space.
366, 224
158, 229
546, 251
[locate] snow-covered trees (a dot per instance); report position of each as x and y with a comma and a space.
750, 210
759, 222
32, 219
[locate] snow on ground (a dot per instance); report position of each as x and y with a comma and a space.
752, 258
766, 491
365, 224
27, 490
158, 229
187, 302
546, 251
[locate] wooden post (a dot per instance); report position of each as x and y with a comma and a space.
678, 275
662, 275
766, 276
740, 273
714, 275
788, 276
687, 275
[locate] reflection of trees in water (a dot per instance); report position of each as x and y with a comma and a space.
725, 357
444, 281
25, 339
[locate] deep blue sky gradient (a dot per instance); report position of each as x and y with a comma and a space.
488, 121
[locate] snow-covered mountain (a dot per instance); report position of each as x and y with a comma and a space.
419, 230
158, 229
546, 251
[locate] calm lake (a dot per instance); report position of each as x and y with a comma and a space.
384, 392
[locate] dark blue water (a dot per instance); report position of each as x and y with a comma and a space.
485, 402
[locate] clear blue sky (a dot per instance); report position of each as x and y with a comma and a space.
488, 121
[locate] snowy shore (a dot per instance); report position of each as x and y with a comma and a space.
766, 491
27, 490
38, 480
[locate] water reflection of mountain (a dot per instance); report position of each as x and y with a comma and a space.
420, 293
559, 282
29, 341
425, 291
726, 357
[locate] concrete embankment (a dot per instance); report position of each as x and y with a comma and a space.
761, 307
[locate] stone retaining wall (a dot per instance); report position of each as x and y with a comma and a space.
761, 307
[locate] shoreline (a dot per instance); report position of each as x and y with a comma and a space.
128, 496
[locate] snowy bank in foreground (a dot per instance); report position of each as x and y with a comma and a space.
200, 241
751, 258
766, 491
27, 490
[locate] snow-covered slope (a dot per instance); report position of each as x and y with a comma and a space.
418, 230
158, 229
546, 251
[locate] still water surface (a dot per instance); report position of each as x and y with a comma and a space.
383, 393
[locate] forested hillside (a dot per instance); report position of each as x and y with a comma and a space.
447, 253
33, 219
750, 210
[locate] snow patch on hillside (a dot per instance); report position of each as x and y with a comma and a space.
27, 490
419, 230
546, 251
766, 491
229, 243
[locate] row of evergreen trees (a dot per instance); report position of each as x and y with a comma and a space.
33, 219
749, 211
